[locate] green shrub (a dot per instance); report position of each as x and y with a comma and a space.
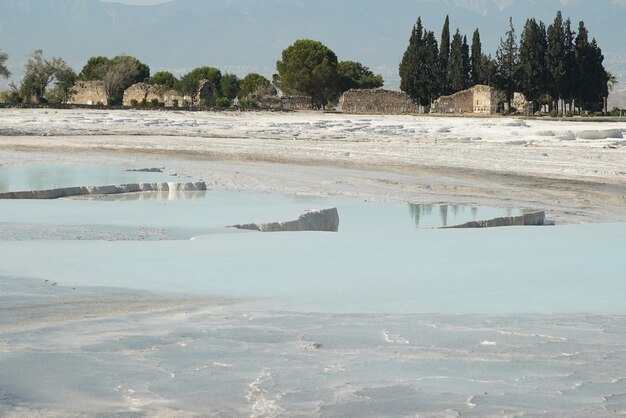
175, 103
222, 102
144, 103
134, 103
186, 103
154, 103
247, 103
554, 113
203, 103
111, 101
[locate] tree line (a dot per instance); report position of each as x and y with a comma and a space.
306, 68
553, 66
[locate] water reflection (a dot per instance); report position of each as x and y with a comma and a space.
441, 215
150, 196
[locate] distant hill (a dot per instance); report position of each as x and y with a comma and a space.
248, 35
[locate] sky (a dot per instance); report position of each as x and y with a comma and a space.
241, 36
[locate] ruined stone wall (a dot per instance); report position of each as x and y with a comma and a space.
479, 99
377, 101
485, 99
205, 92
89, 93
461, 102
141, 91
284, 102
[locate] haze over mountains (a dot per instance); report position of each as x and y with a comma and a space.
248, 35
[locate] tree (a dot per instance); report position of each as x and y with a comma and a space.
165, 79
457, 80
230, 85
507, 63
592, 78
466, 64
444, 56
556, 59
430, 68
420, 67
66, 77
117, 74
410, 81
190, 82
39, 73
251, 84
477, 70
532, 61
490, 70
354, 75
309, 67
94, 69
4, 72
571, 81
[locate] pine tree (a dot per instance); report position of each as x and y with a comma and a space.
508, 61
466, 64
556, 59
477, 59
456, 81
444, 56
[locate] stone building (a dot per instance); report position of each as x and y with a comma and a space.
479, 99
90, 93
148, 92
377, 101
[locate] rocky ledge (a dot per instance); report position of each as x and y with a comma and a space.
313, 220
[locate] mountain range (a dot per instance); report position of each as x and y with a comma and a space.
240, 36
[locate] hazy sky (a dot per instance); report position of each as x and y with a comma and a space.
242, 36
137, 2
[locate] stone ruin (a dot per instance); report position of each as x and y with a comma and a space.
377, 101
520, 104
148, 92
90, 93
290, 103
205, 92
479, 99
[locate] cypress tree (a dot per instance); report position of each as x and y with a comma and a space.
456, 81
507, 63
592, 77
444, 56
570, 83
411, 61
431, 69
466, 64
583, 58
532, 68
477, 70
556, 59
